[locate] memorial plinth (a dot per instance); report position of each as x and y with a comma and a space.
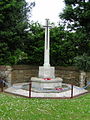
46, 72
45, 84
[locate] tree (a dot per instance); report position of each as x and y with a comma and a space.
63, 48
13, 27
76, 16
34, 45
77, 13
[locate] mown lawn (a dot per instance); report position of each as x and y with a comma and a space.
18, 108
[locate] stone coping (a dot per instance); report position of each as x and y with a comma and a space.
42, 80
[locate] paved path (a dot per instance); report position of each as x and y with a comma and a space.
17, 89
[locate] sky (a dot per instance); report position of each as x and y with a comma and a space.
46, 9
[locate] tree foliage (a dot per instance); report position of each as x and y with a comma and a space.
76, 16
63, 47
34, 44
13, 25
82, 62
77, 13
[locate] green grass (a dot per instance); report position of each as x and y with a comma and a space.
18, 108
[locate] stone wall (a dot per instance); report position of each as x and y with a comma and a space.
69, 75
23, 73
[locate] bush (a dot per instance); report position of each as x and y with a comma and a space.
82, 62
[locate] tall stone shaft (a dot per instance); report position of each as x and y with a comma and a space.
47, 44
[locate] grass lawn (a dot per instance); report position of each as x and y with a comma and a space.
18, 108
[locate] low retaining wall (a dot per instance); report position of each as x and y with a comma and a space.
23, 73
69, 75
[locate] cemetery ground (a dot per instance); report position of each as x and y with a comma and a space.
19, 108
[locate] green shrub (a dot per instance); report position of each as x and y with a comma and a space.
82, 62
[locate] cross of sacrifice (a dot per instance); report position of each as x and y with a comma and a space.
47, 44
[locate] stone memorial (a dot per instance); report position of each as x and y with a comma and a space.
46, 71
46, 78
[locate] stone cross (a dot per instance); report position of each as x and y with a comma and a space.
47, 44
46, 71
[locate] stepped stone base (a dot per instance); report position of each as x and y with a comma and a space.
43, 83
46, 72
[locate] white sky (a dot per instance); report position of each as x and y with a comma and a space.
46, 9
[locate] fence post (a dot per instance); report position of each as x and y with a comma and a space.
30, 85
1, 86
71, 90
85, 81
